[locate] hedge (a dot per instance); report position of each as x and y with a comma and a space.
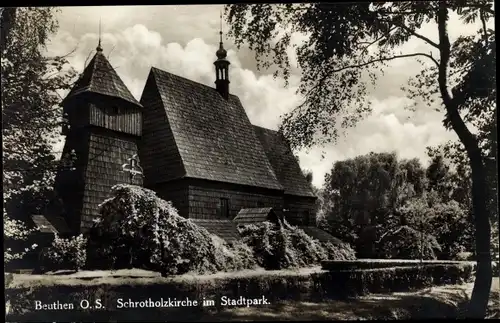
317, 286
384, 263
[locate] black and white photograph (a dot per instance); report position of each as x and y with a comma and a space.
309, 161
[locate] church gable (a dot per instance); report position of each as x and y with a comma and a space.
214, 136
159, 153
284, 163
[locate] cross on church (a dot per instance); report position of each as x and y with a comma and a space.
133, 168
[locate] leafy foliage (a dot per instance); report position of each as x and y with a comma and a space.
363, 194
347, 49
408, 243
451, 224
30, 111
373, 195
279, 247
65, 253
138, 229
15, 233
349, 46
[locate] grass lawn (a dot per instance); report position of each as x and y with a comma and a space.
436, 302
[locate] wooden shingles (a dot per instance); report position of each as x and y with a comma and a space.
284, 163
214, 137
225, 229
160, 157
107, 154
53, 224
101, 78
255, 215
318, 234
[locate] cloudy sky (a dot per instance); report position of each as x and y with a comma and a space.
183, 40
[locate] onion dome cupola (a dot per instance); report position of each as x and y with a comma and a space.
222, 68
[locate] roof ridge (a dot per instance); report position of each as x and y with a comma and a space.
93, 62
189, 80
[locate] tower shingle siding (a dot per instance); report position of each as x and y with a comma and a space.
105, 125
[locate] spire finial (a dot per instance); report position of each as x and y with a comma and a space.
99, 48
220, 32
221, 53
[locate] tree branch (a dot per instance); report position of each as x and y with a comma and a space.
485, 31
412, 32
377, 39
479, 6
384, 59
450, 103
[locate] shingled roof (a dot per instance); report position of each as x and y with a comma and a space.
50, 224
284, 163
225, 229
214, 136
318, 234
255, 215
101, 78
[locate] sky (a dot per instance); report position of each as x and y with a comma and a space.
183, 40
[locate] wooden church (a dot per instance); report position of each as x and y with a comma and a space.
195, 145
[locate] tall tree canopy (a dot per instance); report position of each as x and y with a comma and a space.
30, 111
347, 48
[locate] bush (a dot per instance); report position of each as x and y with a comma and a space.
453, 228
16, 236
138, 229
407, 243
64, 253
336, 265
279, 247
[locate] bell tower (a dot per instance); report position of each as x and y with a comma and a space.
103, 129
222, 68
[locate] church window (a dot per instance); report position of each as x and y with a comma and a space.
224, 207
306, 218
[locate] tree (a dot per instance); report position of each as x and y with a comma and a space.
365, 194
31, 113
349, 44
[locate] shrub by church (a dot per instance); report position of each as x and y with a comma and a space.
196, 146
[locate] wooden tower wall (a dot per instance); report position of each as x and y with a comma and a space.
104, 132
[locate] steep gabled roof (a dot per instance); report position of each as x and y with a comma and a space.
255, 215
284, 163
100, 77
214, 136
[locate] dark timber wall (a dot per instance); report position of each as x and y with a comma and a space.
176, 192
104, 133
205, 199
301, 210
116, 115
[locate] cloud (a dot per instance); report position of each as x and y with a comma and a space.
183, 41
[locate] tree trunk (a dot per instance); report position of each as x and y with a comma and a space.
7, 17
480, 294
